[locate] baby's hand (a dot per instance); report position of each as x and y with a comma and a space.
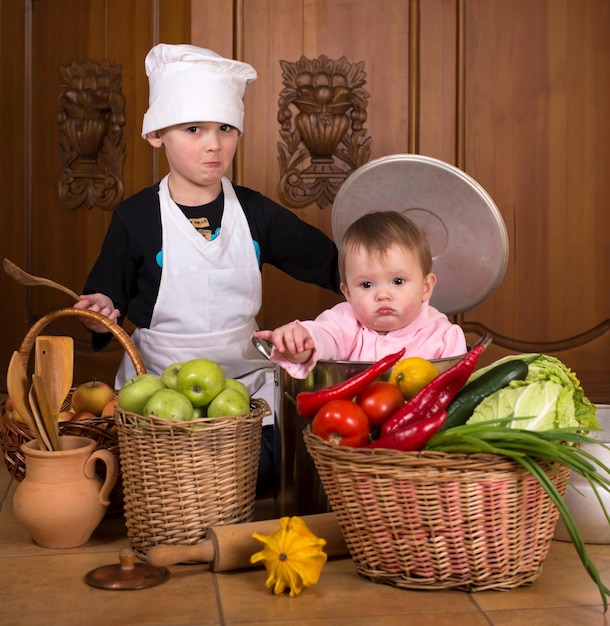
99, 303
292, 341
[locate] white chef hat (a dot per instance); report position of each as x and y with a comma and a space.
191, 84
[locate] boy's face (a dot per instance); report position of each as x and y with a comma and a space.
386, 291
199, 155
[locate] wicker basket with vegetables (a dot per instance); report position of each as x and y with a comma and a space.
462, 485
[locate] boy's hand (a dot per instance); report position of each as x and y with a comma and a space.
99, 303
292, 341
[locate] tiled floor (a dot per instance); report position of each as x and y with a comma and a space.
43, 586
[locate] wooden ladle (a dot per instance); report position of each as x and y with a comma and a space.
22, 277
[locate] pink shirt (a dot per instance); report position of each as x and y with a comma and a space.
338, 336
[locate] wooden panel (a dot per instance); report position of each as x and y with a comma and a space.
438, 31
59, 235
269, 36
212, 25
537, 95
12, 173
378, 34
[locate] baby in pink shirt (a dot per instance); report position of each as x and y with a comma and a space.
385, 266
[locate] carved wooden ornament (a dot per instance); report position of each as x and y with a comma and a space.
91, 143
327, 140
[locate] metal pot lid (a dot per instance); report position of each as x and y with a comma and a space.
465, 229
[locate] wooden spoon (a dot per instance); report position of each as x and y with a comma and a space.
54, 363
22, 277
17, 385
49, 421
43, 438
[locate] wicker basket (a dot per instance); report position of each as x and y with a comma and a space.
102, 429
180, 478
432, 520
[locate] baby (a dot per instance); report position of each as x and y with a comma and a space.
385, 266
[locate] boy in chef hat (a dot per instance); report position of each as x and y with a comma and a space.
182, 258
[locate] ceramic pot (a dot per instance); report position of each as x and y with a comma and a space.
61, 500
580, 497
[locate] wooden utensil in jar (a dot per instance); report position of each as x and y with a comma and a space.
49, 420
44, 442
18, 386
54, 363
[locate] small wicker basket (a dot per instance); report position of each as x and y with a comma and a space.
14, 434
432, 520
180, 478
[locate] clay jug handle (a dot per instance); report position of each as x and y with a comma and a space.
112, 472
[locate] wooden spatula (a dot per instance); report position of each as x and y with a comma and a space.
54, 363
18, 386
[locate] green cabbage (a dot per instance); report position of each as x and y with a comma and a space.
550, 397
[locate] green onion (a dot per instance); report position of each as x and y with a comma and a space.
528, 448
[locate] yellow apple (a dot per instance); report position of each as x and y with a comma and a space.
91, 397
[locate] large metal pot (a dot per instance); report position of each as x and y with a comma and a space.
299, 490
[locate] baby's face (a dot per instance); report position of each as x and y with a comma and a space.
386, 291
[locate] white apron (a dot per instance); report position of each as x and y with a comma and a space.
209, 296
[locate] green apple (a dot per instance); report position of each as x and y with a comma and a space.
169, 377
198, 412
135, 392
169, 404
200, 380
231, 383
228, 403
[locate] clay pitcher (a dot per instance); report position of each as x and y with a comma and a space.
61, 500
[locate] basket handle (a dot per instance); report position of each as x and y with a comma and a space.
121, 335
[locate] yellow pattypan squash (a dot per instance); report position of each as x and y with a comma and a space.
292, 555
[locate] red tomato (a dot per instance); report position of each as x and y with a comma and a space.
380, 400
342, 422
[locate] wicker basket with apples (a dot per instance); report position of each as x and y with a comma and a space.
190, 443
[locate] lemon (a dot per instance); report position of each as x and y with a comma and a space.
412, 374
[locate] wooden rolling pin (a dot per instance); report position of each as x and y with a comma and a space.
230, 547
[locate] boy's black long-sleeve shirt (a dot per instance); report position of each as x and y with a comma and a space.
127, 270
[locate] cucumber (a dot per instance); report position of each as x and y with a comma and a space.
468, 398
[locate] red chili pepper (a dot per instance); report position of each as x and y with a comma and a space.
310, 402
415, 436
436, 395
